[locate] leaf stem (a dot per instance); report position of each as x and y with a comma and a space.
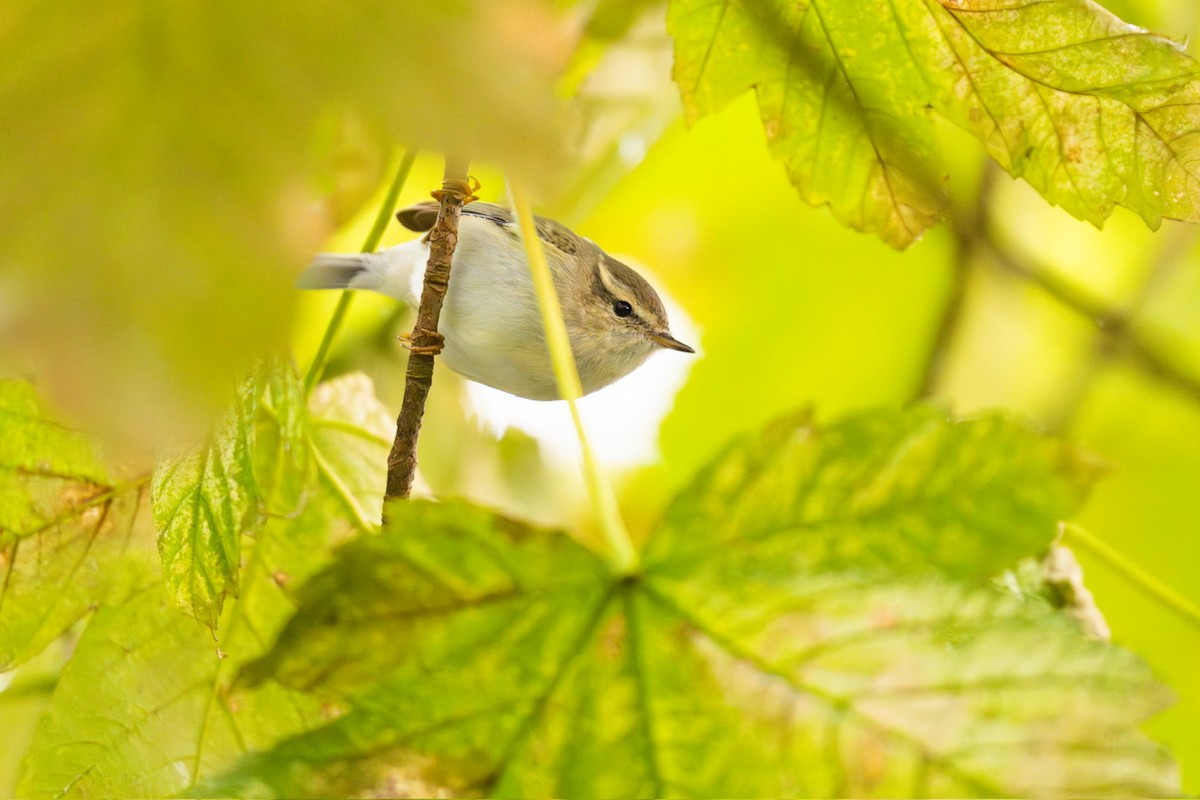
623, 556
317, 368
1140, 578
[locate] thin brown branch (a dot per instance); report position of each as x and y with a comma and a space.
966, 224
1117, 335
425, 341
949, 321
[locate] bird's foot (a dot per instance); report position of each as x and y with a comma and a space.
465, 189
426, 349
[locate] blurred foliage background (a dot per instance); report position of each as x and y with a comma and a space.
135, 315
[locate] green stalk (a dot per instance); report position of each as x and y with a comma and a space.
623, 556
1119, 563
317, 368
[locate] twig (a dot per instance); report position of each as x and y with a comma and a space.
425, 341
1117, 334
965, 227
317, 368
975, 236
948, 323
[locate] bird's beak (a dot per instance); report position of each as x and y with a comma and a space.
668, 341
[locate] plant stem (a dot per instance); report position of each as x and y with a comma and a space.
965, 224
425, 340
1114, 559
1117, 331
317, 368
623, 556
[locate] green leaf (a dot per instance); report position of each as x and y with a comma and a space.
444, 582
886, 686
471, 654
44, 467
350, 435
201, 503
146, 705
906, 491
206, 501
501, 588
25, 696
136, 668
162, 163
64, 527
141, 707
1093, 112
281, 453
851, 131
50, 580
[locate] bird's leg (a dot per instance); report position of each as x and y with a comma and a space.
466, 188
430, 349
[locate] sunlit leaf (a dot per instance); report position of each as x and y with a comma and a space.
874, 685
145, 706
49, 580
64, 526
24, 697
1093, 112
907, 491
201, 503
43, 466
850, 130
140, 708
206, 501
136, 668
474, 655
350, 434
158, 165
281, 454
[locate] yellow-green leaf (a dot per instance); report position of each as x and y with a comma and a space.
1092, 111
910, 490
145, 706
45, 468
202, 505
66, 528
473, 654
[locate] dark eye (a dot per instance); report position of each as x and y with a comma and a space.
622, 309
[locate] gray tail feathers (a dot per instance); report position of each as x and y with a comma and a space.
332, 271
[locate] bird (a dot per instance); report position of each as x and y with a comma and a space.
490, 317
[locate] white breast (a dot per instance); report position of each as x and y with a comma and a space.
490, 317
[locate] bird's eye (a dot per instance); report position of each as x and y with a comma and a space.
622, 309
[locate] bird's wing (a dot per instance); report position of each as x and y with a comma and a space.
418, 217
421, 216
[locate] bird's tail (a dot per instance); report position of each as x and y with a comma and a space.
396, 272
334, 271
